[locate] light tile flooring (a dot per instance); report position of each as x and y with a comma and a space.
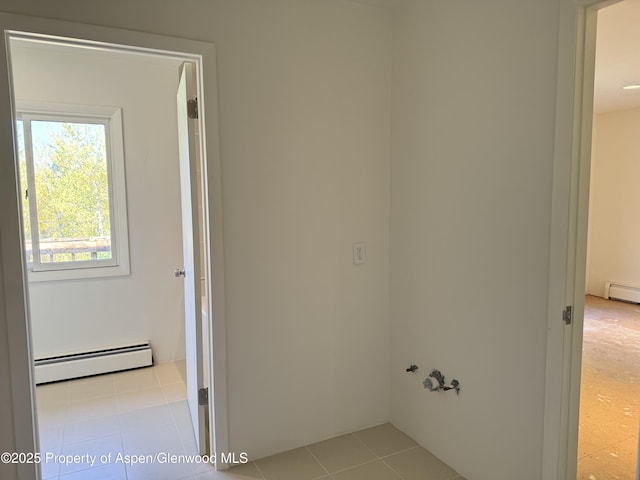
143, 412
377, 453
136, 412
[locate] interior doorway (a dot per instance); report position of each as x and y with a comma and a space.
81, 200
140, 45
576, 96
609, 401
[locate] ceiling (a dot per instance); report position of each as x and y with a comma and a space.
617, 57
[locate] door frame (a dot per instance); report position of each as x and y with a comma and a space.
14, 310
569, 231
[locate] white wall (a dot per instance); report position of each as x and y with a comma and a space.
614, 233
472, 150
304, 121
304, 111
75, 315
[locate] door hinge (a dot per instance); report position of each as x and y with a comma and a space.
192, 108
203, 396
567, 315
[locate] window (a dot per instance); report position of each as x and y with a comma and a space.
72, 180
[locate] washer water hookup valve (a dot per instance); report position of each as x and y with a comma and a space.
435, 382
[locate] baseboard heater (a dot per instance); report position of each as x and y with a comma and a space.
84, 364
619, 291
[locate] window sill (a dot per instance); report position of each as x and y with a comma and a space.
78, 273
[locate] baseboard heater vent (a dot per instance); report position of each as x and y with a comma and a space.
84, 364
619, 291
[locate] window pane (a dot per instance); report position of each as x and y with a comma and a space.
26, 216
72, 192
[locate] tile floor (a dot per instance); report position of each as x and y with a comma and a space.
610, 391
377, 453
129, 413
144, 411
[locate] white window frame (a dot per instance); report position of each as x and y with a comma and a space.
111, 118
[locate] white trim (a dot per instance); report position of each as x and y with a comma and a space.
111, 118
214, 249
568, 243
13, 305
98, 112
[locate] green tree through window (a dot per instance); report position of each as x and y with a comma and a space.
64, 165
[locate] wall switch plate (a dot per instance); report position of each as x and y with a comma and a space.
359, 253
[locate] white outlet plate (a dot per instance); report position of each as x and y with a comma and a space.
359, 253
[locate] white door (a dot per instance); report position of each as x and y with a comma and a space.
187, 146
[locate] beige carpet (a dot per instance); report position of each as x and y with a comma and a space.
610, 391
